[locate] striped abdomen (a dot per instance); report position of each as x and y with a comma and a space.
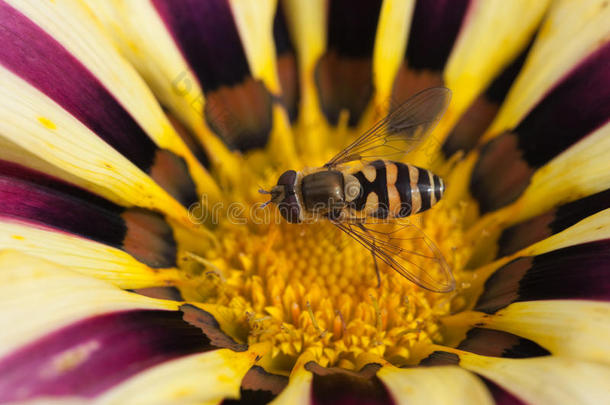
394, 190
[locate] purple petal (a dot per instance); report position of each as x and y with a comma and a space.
338, 386
88, 357
434, 29
286, 64
500, 395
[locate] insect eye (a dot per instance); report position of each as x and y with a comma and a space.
287, 178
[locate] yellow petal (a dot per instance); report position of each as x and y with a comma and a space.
434, 385
254, 20
205, 378
298, 390
572, 30
545, 380
39, 296
390, 43
83, 255
572, 328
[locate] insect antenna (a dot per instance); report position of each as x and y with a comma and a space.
263, 191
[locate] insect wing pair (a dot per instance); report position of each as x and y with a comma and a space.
402, 130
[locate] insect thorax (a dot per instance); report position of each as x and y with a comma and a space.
323, 191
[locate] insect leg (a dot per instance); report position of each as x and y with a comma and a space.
373, 253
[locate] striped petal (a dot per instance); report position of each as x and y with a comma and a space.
570, 33
253, 19
434, 29
526, 233
493, 35
259, 387
40, 297
475, 120
102, 102
83, 255
558, 182
91, 356
549, 274
40, 201
306, 21
575, 108
206, 32
394, 23
497, 343
434, 385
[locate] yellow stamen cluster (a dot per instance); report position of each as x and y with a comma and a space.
309, 287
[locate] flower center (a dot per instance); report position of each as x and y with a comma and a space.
310, 287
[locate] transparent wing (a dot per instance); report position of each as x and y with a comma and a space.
400, 131
405, 248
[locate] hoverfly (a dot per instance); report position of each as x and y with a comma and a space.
359, 200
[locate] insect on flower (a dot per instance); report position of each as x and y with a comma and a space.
367, 195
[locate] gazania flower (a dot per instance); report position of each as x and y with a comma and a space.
135, 135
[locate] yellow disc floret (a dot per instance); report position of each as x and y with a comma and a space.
310, 288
